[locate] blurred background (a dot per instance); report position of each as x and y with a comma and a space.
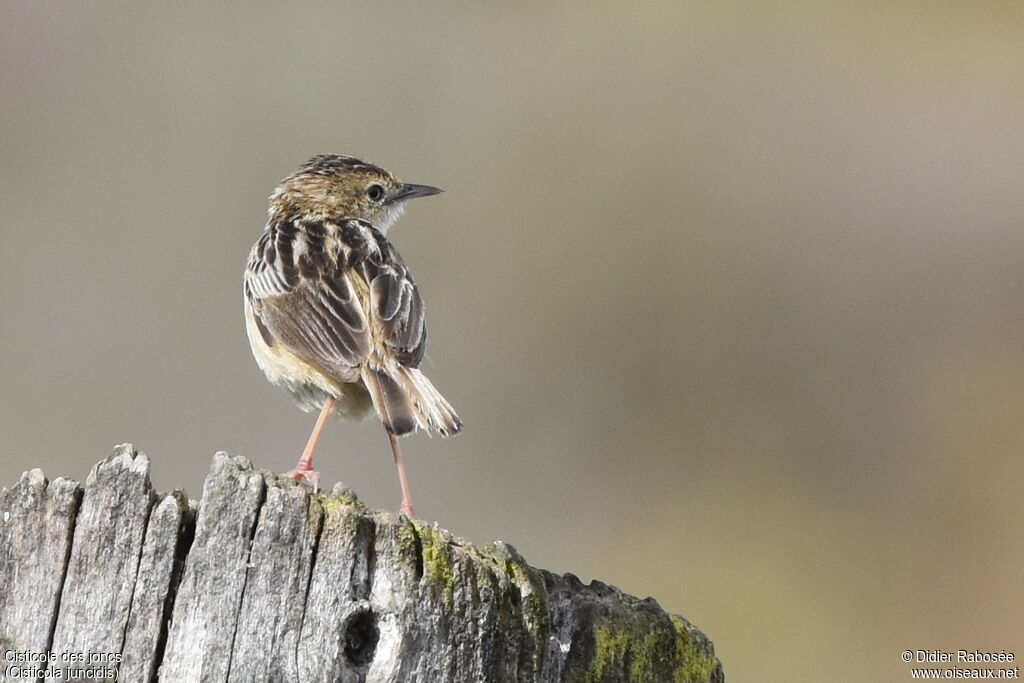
727, 294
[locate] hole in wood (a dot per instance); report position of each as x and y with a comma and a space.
361, 638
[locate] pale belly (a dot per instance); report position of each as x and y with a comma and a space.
307, 384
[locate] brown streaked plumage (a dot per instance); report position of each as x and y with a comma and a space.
333, 314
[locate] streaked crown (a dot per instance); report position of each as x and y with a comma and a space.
334, 186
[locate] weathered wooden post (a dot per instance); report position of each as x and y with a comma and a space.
264, 581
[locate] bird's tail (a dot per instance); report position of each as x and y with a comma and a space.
407, 401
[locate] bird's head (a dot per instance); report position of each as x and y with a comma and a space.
337, 186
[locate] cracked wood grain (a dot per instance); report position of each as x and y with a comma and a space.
271, 614
202, 630
159, 569
105, 553
264, 581
37, 522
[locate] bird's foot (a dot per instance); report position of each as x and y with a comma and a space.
407, 509
306, 474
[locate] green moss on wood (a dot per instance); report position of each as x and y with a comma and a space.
531, 588
694, 652
437, 558
338, 499
408, 544
682, 655
610, 650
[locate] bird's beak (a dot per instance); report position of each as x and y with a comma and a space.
410, 190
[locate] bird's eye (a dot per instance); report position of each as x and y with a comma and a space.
375, 192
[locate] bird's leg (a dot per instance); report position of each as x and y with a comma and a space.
407, 509
304, 470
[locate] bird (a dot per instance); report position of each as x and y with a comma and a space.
333, 314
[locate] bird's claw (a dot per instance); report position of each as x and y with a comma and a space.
310, 476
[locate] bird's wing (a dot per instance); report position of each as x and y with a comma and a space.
300, 284
396, 309
335, 293
404, 398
